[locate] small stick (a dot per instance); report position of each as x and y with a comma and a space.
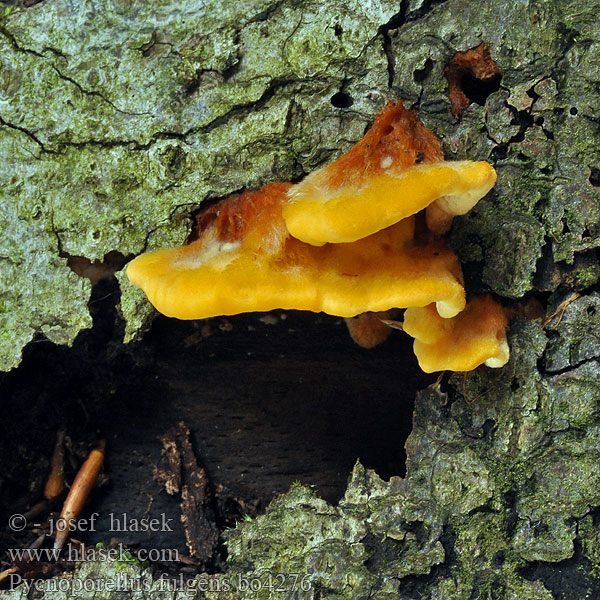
8, 572
186, 560
560, 309
78, 494
393, 324
56, 480
439, 379
37, 509
38, 542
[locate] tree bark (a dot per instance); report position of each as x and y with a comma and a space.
118, 120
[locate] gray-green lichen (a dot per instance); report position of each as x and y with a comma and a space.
578, 326
38, 292
115, 139
117, 120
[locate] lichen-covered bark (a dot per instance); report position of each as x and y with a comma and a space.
497, 481
118, 119
115, 140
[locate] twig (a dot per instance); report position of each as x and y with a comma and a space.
393, 324
78, 494
56, 481
7, 573
560, 309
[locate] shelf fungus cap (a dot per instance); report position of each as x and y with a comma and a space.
481, 178
245, 260
396, 170
474, 337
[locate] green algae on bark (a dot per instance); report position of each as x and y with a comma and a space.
120, 119
39, 294
502, 473
578, 326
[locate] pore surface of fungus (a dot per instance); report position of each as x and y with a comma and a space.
245, 260
396, 170
475, 336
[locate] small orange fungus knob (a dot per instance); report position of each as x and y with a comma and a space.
475, 336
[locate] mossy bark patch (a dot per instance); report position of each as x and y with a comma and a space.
578, 329
121, 120
38, 291
118, 121
502, 479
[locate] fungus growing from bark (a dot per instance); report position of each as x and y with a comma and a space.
245, 260
474, 337
395, 171
369, 329
342, 241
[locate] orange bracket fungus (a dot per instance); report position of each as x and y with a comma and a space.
341, 241
475, 336
396, 170
246, 260
370, 329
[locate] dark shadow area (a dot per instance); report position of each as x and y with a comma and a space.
342, 100
477, 90
269, 399
567, 578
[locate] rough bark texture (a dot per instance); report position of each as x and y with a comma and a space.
119, 119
